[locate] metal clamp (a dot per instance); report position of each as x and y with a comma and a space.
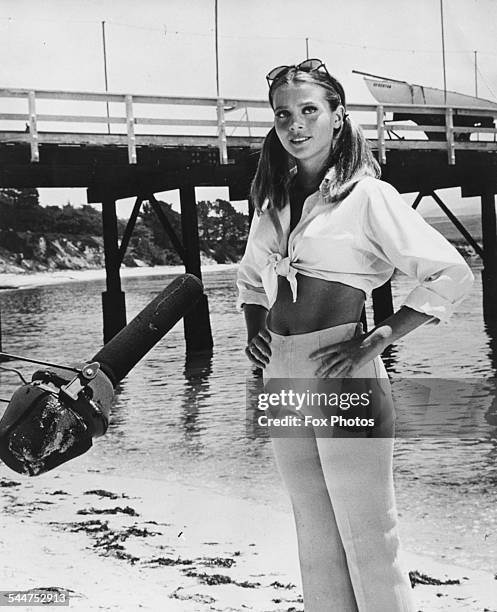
79, 382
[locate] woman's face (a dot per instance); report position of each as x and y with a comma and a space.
304, 123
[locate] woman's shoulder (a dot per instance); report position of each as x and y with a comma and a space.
379, 202
373, 192
372, 186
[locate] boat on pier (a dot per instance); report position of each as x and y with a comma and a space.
392, 91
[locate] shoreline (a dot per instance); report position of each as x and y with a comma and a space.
13, 281
25, 280
121, 543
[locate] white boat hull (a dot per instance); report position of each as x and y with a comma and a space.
398, 92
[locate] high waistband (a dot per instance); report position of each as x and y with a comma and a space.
336, 329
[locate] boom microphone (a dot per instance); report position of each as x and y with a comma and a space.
55, 417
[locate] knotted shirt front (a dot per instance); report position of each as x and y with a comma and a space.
357, 241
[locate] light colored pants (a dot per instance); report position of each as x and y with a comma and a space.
341, 490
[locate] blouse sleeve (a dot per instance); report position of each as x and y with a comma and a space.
249, 282
401, 236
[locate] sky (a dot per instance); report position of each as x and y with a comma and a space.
167, 47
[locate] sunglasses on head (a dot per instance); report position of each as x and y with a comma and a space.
308, 65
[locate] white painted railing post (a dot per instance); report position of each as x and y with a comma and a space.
248, 122
221, 132
33, 129
380, 126
449, 131
130, 125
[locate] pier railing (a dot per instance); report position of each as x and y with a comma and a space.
41, 117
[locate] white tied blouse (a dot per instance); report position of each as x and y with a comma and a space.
358, 241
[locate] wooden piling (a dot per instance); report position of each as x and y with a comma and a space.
489, 272
113, 300
198, 334
1, 347
382, 303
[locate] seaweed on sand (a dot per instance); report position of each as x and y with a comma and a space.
117, 510
169, 561
109, 542
419, 578
215, 579
104, 493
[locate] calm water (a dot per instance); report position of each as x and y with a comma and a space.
186, 421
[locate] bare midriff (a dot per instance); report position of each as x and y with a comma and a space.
320, 304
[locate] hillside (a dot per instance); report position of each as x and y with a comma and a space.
35, 238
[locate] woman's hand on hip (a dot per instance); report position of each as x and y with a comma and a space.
345, 359
258, 349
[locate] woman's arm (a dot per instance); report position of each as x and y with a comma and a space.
396, 326
248, 278
255, 319
346, 358
253, 300
258, 338
396, 234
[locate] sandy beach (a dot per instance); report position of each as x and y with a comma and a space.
37, 279
116, 543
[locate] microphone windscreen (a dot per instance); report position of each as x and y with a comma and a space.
125, 350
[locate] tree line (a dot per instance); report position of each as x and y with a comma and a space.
222, 230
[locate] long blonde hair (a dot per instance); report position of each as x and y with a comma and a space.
350, 157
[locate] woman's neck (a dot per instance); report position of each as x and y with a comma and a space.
308, 182
310, 172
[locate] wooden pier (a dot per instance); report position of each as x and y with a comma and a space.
139, 147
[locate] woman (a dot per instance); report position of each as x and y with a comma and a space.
326, 233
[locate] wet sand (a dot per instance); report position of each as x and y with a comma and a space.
116, 543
